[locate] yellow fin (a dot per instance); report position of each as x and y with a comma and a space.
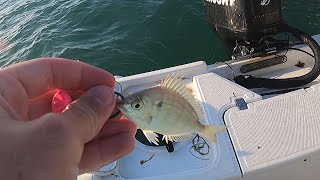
176, 84
211, 131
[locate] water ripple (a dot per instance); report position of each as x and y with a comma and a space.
124, 37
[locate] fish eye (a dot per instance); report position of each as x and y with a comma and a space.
137, 104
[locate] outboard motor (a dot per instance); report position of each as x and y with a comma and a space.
247, 27
244, 22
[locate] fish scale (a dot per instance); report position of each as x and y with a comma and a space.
171, 113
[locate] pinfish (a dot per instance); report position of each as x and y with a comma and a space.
169, 109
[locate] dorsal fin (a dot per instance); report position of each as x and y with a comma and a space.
175, 83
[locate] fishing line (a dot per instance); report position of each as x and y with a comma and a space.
119, 86
119, 95
233, 74
200, 146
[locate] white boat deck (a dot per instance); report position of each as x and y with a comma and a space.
271, 137
277, 133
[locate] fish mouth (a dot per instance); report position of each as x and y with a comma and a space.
121, 108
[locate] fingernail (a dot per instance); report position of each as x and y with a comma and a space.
103, 94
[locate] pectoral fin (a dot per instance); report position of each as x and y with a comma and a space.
151, 136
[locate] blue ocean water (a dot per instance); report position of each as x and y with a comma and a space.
124, 37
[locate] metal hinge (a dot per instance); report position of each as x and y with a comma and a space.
241, 104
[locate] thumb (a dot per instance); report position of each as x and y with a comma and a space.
87, 114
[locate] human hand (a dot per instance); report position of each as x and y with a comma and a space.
39, 144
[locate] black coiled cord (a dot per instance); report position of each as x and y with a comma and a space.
254, 82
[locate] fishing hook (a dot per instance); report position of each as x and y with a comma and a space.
118, 112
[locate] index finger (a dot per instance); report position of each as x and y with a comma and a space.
44, 74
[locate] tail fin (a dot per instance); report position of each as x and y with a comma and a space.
211, 131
